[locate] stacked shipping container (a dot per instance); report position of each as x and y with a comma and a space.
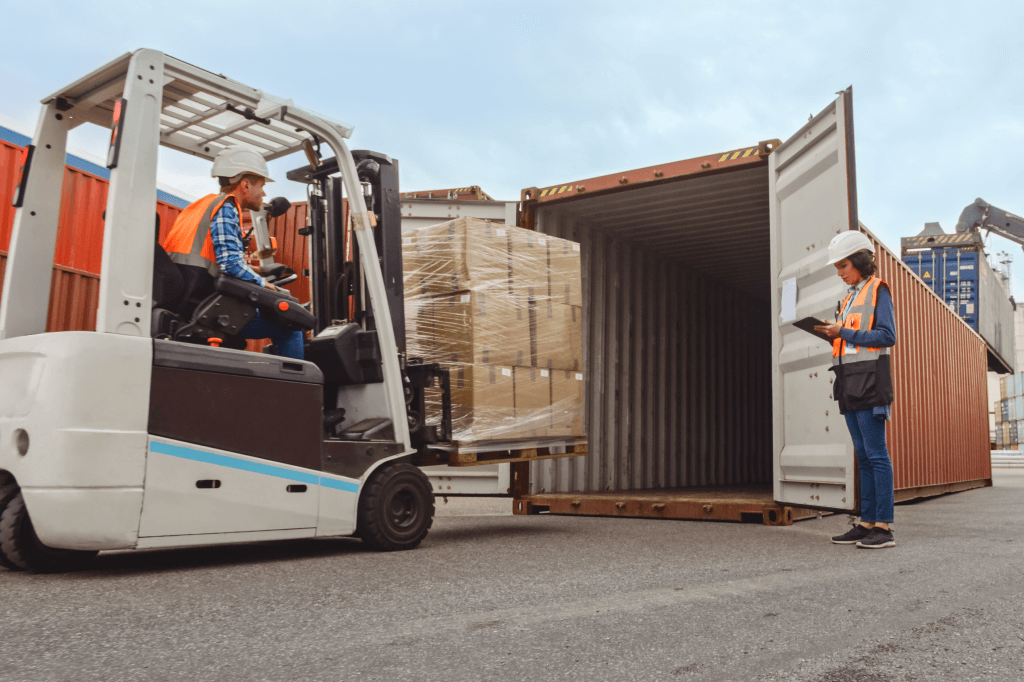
1009, 412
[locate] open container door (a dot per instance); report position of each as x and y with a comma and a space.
813, 197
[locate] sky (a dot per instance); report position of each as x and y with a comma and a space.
515, 94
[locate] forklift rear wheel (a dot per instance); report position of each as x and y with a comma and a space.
20, 545
7, 493
396, 508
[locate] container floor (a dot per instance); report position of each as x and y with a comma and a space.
740, 503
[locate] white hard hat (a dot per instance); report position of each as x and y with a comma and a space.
845, 244
238, 159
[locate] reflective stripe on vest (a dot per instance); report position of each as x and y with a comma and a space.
859, 316
189, 241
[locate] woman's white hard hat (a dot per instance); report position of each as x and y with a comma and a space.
237, 159
845, 244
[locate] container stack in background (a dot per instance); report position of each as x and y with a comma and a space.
955, 267
1009, 412
501, 307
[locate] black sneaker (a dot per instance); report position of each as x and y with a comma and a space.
852, 536
877, 539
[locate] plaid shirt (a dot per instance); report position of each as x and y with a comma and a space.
226, 233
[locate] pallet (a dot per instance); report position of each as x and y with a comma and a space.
744, 504
465, 454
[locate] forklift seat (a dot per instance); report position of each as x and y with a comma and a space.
190, 305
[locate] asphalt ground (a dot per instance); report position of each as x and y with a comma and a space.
490, 596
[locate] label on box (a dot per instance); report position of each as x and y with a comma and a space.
464, 298
500, 231
575, 247
507, 372
407, 241
542, 242
579, 377
544, 373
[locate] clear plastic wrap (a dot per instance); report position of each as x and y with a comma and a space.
490, 302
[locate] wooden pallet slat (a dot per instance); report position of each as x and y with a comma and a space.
478, 454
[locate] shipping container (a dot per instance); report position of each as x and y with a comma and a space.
962, 277
74, 294
704, 401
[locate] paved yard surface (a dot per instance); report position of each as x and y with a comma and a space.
490, 596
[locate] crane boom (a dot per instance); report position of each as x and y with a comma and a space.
982, 215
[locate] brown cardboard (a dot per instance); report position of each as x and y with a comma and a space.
461, 254
416, 269
485, 326
557, 341
566, 285
483, 403
566, 404
529, 260
533, 401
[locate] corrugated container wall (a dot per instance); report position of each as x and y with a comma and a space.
677, 343
79, 251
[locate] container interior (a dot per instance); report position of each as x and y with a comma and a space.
677, 335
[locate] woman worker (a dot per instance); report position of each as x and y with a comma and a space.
863, 385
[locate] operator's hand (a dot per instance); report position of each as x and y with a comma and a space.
268, 285
830, 330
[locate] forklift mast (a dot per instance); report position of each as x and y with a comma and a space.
337, 279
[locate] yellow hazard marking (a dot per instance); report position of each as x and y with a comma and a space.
927, 274
741, 154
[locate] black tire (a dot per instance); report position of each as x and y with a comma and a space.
20, 545
396, 508
7, 493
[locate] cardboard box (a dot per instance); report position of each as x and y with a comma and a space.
458, 255
557, 335
483, 402
567, 404
566, 284
529, 251
533, 402
487, 326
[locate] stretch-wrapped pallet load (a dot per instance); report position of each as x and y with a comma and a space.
501, 307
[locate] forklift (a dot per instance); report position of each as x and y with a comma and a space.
139, 435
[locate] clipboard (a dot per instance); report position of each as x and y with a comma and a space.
808, 324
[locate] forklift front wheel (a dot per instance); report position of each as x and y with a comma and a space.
20, 545
396, 508
7, 493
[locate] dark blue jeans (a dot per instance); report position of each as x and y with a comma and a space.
287, 343
876, 493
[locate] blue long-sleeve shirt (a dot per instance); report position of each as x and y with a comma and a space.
882, 336
226, 233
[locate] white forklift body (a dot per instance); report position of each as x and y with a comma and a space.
96, 428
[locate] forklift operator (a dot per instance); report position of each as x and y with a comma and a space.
216, 220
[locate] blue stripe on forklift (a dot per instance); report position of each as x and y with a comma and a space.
339, 485
233, 463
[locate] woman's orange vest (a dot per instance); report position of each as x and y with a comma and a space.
189, 241
860, 317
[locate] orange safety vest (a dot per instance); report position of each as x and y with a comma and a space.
863, 374
189, 241
860, 316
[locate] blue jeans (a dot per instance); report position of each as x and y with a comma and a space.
287, 343
876, 493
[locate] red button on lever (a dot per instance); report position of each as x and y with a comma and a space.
214, 341
283, 305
